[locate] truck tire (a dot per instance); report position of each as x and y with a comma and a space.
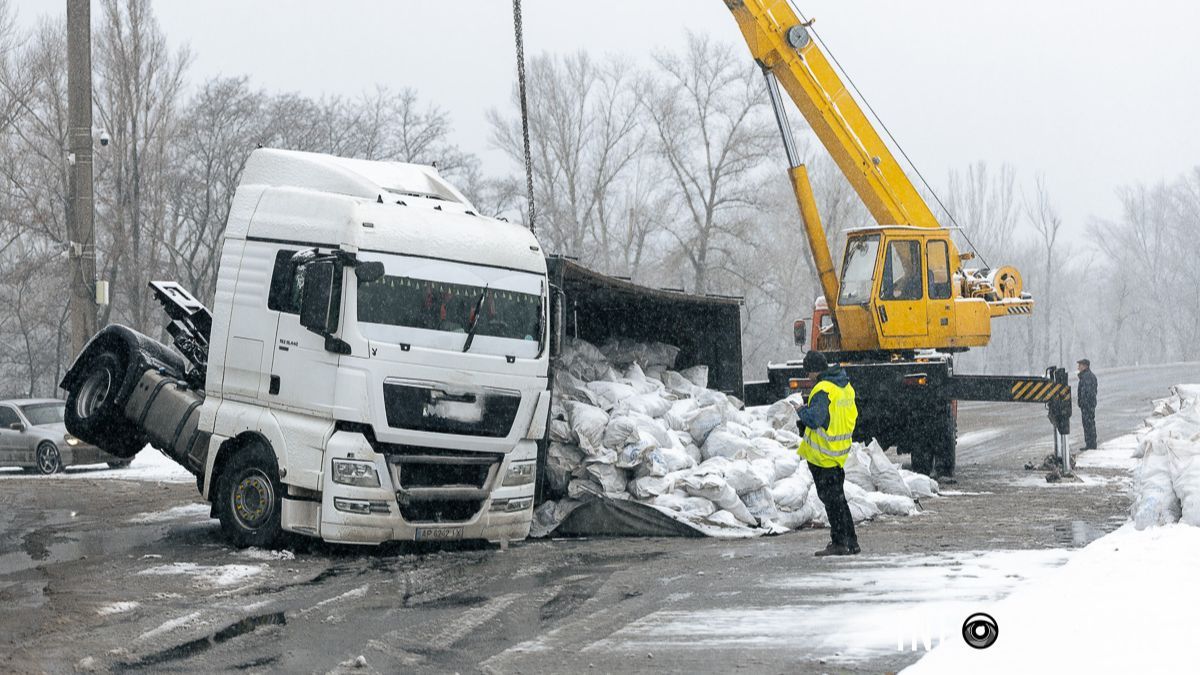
92, 412
922, 454
249, 499
945, 442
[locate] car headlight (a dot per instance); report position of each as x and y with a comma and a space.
71, 440
519, 474
359, 474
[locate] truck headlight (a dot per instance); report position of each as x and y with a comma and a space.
520, 473
358, 474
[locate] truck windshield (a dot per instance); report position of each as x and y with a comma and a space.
858, 270
437, 298
44, 413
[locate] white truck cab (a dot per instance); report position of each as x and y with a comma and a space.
374, 367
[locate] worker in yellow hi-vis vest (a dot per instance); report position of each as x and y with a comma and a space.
828, 419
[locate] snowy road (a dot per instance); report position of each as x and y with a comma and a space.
102, 573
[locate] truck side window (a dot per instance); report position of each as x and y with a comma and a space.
938, 255
902, 271
282, 297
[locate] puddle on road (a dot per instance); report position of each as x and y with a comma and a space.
1080, 533
49, 546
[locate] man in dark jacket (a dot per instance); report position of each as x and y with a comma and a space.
828, 420
1087, 403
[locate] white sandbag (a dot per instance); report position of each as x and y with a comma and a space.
697, 375
651, 405
742, 478
861, 507
649, 487
680, 414
694, 452
634, 453
787, 439
782, 415
679, 385
892, 504
662, 461
1184, 456
764, 468
724, 444
695, 507
858, 467
635, 377
560, 432
814, 506
704, 421
620, 431
786, 464
714, 488
724, 518
791, 492
584, 488
884, 474
609, 394
919, 485
561, 462
582, 359
1155, 502
611, 479
760, 504
587, 423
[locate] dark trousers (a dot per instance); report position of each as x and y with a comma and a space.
829, 489
1089, 426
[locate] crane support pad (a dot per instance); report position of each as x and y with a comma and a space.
1006, 388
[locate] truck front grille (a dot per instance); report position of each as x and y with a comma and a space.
482, 412
441, 510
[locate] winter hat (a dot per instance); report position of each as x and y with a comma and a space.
814, 362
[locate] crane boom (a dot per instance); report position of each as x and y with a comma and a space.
781, 43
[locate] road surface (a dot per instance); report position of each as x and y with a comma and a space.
102, 574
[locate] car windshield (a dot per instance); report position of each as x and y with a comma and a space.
858, 270
440, 298
43, 413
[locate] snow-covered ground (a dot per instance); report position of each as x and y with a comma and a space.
148, 465
1124, 604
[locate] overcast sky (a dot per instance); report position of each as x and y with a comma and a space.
1093, 94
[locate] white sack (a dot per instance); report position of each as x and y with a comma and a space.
894, 505
649, 487
696, 507
760, 504
612, 480
587, 423
884, 474
858, 467
714, 488
609, 394
704, 421
791, 492
919, 484
1185, 477
697, 375
1155, 502
724, 444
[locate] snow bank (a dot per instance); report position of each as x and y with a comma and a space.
208, 575
1167, 477
1123, 604
626, 426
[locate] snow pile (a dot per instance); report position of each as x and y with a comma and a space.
1167, 479
625, 425
1121, 605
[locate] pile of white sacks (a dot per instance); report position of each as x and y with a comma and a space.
626, 426
1167, 479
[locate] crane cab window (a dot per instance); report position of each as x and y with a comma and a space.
901, 271
858, 270
937, 255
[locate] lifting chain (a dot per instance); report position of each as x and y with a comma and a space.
520, 37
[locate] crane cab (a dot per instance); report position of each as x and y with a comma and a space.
903, 288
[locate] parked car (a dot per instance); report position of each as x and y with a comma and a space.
32, 436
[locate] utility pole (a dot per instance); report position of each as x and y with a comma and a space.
81, 230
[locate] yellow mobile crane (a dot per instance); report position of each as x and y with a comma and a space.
903, 293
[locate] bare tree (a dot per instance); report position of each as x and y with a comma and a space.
707, 111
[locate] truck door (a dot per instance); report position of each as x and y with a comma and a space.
939, 289
303, 373
900, 307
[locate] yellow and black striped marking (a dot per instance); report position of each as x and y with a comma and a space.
1020, 309
1040, 391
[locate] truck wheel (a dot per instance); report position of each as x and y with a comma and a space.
48, 459
945, 442
249, 497
93, 414
922, 455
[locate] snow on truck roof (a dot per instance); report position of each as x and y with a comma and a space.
392, 207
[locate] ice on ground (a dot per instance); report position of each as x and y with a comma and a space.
1080, 480
148, 465
976, 437
263, 554
168, 626
118, 607
859, 611
1122, 604
1114, 454
196, 510
208, 575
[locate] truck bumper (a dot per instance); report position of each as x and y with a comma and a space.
488, 510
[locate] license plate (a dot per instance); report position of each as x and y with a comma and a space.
439, 533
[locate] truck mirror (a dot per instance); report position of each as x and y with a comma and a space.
317, 311
799, 332
366, 272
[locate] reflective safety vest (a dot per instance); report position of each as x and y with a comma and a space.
830, 446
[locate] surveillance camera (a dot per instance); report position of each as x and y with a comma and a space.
104, 138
